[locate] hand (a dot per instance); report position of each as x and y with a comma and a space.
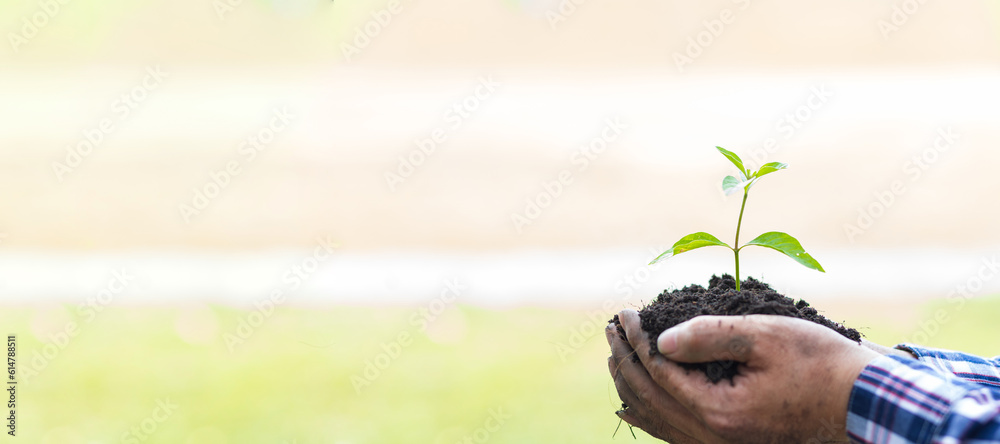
794, 382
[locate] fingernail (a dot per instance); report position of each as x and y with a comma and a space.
667, 342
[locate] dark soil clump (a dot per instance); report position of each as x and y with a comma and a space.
721, 298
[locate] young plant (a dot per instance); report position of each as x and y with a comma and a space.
775, 240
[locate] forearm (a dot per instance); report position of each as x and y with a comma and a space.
903, 400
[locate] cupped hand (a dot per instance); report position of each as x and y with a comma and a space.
794, 381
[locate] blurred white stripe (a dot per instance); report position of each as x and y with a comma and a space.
543, 278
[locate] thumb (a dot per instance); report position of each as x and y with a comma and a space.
710, 338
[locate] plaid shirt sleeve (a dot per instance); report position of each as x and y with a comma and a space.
901, 400
968, 367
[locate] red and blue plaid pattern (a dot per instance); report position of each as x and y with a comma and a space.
965, 366
944, 397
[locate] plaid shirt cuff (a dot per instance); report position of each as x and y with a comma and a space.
901, 400
968, 367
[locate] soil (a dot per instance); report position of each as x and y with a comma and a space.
721, 298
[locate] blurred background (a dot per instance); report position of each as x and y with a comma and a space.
300, 221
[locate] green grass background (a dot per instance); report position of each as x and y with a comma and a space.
291, 381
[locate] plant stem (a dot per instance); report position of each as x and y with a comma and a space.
737, 252
736, 246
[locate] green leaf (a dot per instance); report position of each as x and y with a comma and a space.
787, 245
770, 167
690, 242
735, 160
730, 184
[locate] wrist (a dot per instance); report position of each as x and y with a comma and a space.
898, 351
854, 361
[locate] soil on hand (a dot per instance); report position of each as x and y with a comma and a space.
721, 298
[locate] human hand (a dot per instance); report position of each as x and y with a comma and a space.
794, 382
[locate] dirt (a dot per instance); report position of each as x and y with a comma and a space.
721, 298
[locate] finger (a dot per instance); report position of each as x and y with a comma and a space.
687, 388
637, 337
662, 409
655, 364
621, 356
655, 421
629, 374
626, 394
638, 389
712, 338
639, 414
656, 428
612, 365
658, 367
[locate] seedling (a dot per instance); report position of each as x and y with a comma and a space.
775, 240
